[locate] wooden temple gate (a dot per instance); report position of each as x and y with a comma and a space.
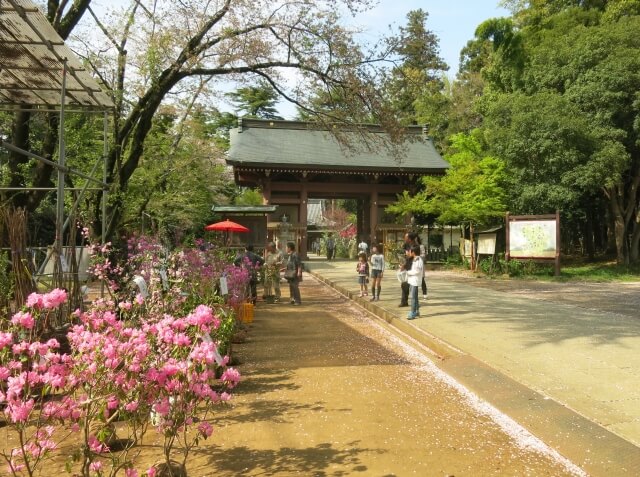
294, 161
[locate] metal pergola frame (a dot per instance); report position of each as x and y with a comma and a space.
39, 73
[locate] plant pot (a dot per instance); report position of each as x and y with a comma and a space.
172, 469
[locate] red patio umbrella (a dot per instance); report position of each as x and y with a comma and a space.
226, 226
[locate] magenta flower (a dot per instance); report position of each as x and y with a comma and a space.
5, 339
205, 429
24, 319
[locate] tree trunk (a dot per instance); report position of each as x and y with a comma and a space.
619, 228
588, 236
20, 138
634, 247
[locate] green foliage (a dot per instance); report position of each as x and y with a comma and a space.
553, 152
248, 196
256, 101
471, 190
180, 178
7, 283
418, 74
561, 108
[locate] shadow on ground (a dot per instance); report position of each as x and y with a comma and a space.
309, 461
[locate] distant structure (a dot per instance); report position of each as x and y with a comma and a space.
297, 163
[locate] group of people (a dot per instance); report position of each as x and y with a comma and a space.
413, 269
370, 265
272, 264
415, 257
370, 269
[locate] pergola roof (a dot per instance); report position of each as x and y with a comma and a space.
32, 58
300, 145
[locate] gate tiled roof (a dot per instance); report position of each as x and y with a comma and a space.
301, 145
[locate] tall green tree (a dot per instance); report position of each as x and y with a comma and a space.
588, 58
419, 68
256, 101
472, 189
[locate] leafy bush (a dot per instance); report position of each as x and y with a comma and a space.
6, 282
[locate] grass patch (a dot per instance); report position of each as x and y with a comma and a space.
602, 272
571, 270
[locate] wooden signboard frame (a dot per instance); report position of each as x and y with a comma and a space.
533, 218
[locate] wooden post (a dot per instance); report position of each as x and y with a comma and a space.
373, 217
473, 251
557, 258
507, 256
302, 216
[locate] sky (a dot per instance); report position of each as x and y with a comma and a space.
453, 21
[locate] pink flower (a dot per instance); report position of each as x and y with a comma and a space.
231, 377
162, 407
151, 472
95, 466
205, 429
139, 299
112, 403
54, 298
95, 445
131, 406
23, 319
19, 411
5, 339
35, 301
130, 472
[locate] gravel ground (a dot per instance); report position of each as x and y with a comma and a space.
328, 392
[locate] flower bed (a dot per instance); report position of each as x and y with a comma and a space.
151, 355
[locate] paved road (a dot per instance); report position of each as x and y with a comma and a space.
328, 391
566, 341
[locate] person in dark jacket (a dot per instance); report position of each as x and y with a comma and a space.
408, 261
293, 273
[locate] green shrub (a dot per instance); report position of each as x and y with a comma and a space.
6, 283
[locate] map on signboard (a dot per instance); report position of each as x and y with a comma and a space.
532, 239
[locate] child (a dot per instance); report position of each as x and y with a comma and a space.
377, 270
363, 273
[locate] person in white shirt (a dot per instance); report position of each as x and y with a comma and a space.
415, 275
377, 270
363, 247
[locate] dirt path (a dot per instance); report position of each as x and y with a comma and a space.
327, 392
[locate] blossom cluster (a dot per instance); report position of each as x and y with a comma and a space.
157, 364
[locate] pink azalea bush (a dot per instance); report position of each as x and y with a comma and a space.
128, 358
167, 366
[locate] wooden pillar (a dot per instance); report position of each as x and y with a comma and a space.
373, 217
266, 191
302, 214
360, 220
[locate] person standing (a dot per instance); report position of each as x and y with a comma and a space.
377, 270
414, 278
251, 262
331, 247
363, 247
293, 274
406, 266
423, 256
274, 259
362, 268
